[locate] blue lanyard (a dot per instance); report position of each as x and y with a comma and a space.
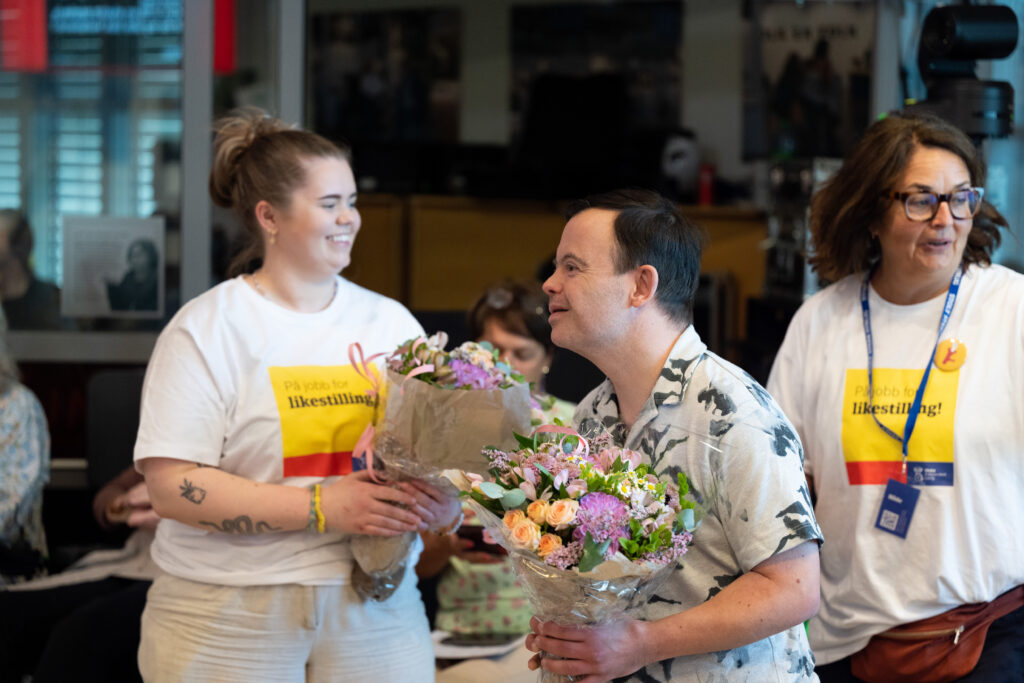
947, 310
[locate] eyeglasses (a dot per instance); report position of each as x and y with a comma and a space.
924, 206
500, 298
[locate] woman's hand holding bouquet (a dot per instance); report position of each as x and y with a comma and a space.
436, 407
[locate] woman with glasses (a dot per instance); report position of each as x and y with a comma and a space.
904, 380
513, 317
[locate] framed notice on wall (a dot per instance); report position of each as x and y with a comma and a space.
113, 267
808, 78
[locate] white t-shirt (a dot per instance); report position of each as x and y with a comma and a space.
966, 455
240, 383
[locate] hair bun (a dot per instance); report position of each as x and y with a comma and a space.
235, 135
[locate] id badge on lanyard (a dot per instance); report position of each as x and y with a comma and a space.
900, 499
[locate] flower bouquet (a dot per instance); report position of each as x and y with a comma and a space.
459, 399
591, 534
436, 407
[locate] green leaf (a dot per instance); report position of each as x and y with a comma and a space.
684, 519
593, 553
629, 547
525, 441
492, 490
684, 484
513, 499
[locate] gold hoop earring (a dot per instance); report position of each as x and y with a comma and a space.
545, 370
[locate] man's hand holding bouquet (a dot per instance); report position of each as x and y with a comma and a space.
591, 531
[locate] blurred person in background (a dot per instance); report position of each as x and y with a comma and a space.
28, 303
82, 624
24, 471
513, 317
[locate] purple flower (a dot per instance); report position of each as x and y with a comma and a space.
565, 557
671, 553
469, 375
604, 517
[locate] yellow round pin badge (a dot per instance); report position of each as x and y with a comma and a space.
950, 355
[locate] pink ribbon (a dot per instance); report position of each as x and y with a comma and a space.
422, 369
364, 446
362, 367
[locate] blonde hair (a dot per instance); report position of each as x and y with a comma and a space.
257, 157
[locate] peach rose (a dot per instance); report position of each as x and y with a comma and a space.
548, 543
563, 511
513, 517
538, 511
526, 535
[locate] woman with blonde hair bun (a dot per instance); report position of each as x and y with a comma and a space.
250, 413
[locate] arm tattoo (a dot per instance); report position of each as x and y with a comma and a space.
242, 525
192, 493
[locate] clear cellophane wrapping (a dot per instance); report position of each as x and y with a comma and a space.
565, 596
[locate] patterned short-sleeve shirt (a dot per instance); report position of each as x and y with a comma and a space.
712, 421
24, 468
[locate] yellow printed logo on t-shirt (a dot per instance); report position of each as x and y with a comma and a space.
324, 410
871, 455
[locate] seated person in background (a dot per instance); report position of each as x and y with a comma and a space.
513, 317
83, 624
28, 303
24, 470
476, 589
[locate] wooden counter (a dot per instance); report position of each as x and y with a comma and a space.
438, 253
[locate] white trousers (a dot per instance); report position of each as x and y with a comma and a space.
288, 633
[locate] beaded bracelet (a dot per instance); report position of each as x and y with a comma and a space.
317, 522
321, 521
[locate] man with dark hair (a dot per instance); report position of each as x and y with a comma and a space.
622, 293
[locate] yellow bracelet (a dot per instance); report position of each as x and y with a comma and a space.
321, 522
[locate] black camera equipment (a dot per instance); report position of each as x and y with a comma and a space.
953, 38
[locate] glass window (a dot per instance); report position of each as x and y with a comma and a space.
90, 133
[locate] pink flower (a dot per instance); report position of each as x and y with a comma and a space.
604, 517
576, 488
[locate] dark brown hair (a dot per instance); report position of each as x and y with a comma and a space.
520, 307
257, 157
20, 235
650, 230
851, 205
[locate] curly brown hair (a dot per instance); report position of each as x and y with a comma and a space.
257, 157
852, 204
